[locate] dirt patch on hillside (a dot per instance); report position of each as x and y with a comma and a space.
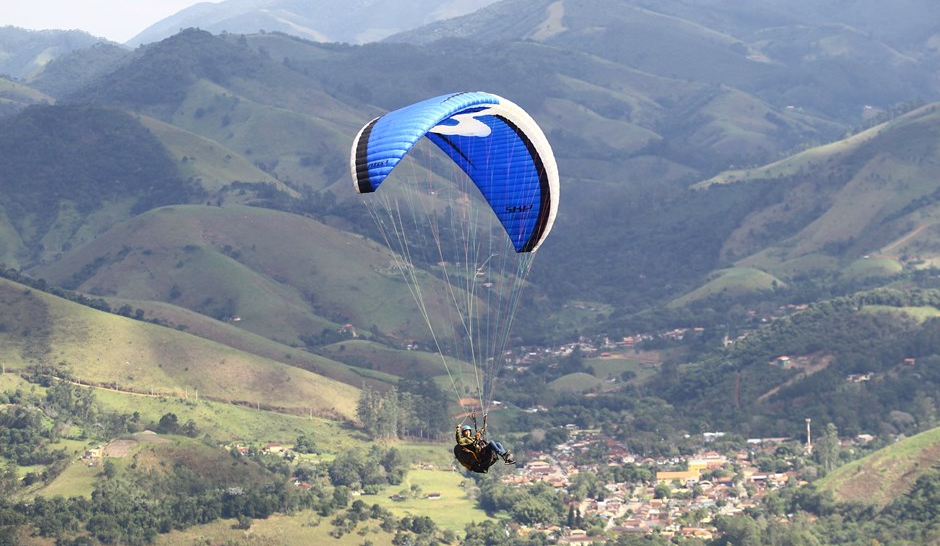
807, 366
121, 447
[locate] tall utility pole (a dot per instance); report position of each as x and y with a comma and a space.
809, 436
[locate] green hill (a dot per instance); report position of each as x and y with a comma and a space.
104, 349
280, 275
732, 283
212, 165
225, 90
228, 333
105, 165
575, 382
889, 473
367, 354
872, 194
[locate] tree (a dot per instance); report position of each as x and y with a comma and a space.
531, 510
826, 449
662, 491
389, 415
395, 466
739, 530
346, 469
169, 424
303, 444
367, 410
488, 533
109, 469
9, 480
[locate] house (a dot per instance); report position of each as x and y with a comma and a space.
538, 468
696, 532
577, 536
631, 526
275, 449
92, 456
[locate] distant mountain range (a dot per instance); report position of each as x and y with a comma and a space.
354, 22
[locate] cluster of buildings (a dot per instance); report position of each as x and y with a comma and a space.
699, 488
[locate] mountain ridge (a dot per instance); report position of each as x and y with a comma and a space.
359, 22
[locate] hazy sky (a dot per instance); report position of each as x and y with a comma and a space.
116, 20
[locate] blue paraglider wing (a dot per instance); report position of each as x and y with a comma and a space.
494, 141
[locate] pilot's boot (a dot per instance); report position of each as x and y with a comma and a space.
507, 458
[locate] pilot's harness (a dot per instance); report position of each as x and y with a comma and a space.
481, 440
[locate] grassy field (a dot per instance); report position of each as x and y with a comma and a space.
145, 358
230, 423
77, 480
211, 163
10, 381
453, 510
301, 529
17, 92
575, 315
386, 359
230, 334
642, 365
9, 242
770, 261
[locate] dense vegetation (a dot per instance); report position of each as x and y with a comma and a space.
845, 338
60, 159
134, 505
416, 408
745, 389
814, 518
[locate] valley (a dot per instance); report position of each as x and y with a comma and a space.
730, 336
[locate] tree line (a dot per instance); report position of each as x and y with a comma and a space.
416, 408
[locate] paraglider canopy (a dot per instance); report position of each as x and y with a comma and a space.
496, 143
446, 219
